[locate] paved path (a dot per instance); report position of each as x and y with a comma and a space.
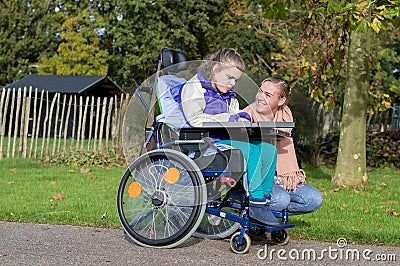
42, 244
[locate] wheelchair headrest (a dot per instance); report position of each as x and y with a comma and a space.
171, 57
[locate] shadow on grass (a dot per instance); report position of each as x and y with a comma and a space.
319, 172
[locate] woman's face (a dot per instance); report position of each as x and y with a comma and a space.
224, 77
269, 98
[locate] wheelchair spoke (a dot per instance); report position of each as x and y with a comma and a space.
159, 199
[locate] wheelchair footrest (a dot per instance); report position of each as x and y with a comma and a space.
279, 227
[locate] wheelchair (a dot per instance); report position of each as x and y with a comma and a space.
183, 184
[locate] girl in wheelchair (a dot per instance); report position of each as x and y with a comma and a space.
209, 97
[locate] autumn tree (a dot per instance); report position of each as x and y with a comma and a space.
28, 30
351, 161
343, 24
141, 28
80, 52
242, 29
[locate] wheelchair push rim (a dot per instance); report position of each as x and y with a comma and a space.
161, 199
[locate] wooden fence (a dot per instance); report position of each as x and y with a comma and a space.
35, 124
328, 120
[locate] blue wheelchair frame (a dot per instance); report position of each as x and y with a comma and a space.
247, 225
233, 178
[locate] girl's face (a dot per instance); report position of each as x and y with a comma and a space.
269, 98
224, 77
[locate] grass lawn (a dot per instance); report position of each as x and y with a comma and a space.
364, 217
31, 192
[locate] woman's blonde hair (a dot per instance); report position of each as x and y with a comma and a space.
283, 86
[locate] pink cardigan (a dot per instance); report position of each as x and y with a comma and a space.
286, 166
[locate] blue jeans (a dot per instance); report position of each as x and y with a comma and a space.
306, 199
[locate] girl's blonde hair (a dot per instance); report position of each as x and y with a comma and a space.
228, 56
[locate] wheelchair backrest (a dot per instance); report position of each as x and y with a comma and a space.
175, 61
168, 89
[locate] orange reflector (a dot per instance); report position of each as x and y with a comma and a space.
172, 175
134, 189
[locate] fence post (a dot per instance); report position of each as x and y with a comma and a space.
396, 113
84, 121
16, 121
33, 123
3, 112
38, 123
26, 122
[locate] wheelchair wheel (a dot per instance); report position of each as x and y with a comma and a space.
243, 247
214, 227
161, 199
280, 237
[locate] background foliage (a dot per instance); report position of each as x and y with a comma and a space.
302, 41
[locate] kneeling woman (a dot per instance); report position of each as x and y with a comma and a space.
290, 192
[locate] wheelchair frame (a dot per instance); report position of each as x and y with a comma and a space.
150, 204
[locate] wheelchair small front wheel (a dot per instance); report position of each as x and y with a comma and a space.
240, 248
280, 237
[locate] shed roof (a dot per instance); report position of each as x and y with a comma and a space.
83, 85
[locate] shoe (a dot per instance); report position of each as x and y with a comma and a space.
260, 210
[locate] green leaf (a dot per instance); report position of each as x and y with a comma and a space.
362, 26
329, 104
280, 10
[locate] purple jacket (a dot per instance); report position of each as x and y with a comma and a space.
201, 103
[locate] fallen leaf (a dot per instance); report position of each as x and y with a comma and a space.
335, 190
104, 216
10, 183
59, 196
14, 170
52, 182
390, 202
85, 170
377, 225
392, 212
92, 177
71, 171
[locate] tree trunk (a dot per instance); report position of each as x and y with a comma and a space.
351, 160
